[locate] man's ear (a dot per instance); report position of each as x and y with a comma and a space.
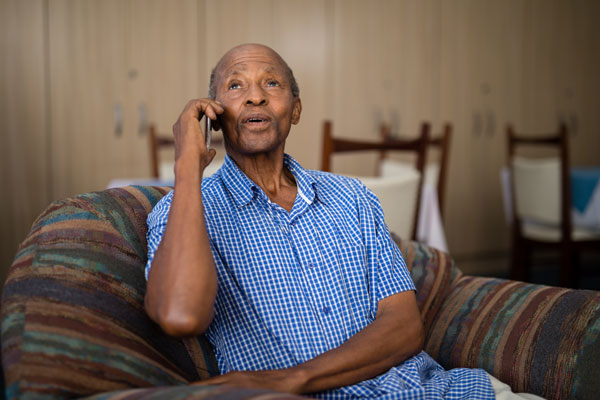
296, 111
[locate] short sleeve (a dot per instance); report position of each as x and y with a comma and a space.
157, 221
388, 274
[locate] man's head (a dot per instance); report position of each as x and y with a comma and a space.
260, 96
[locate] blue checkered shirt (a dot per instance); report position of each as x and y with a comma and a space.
293, 285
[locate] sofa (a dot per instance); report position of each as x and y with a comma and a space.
73, 320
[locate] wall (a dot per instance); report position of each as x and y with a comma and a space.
67, 65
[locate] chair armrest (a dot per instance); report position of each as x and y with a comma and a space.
73, 317
538, 339
433, 272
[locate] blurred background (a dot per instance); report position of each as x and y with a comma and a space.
82, 80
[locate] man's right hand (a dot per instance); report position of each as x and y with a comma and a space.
190, 145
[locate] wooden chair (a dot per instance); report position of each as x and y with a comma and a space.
541, 207
159, 142
417, 146
440, 168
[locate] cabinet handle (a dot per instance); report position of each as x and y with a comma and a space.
477, 123
118, 116
490, 125
143, 112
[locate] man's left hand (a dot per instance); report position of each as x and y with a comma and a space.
276, 380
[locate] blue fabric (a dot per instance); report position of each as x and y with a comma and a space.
583, 183
293, 285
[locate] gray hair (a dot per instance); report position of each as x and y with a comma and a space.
212, 91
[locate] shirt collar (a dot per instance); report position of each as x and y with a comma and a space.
243, 189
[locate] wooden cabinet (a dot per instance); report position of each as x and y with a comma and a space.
385, 68
481, 90
116, 66
562, 60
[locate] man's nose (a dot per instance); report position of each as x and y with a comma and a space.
256, 96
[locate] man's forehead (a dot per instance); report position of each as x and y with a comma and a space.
242, 67
240, 58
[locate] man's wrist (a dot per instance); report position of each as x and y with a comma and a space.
187, 168
297, 379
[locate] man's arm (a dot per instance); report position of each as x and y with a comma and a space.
182, 283
395, 335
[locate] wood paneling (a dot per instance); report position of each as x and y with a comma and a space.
476, 64
24, 176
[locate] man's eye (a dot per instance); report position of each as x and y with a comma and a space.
272, 83
233, 86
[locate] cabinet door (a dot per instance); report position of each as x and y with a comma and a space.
480, 92
115, 67
164, 71
563, 60
87, 51
385, 68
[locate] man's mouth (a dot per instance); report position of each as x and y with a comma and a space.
256, 119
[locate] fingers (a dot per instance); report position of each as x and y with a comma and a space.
197, 108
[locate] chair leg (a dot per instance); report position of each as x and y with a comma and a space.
520, 262
566, 274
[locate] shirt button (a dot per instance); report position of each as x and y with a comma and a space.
326, 310
310, 266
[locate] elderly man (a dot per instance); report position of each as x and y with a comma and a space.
291, 274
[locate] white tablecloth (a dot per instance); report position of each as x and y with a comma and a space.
430, 229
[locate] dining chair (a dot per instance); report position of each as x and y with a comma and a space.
436, 172
541, 206
400, 195
157, 142
164, 170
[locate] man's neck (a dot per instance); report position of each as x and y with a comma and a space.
268, 172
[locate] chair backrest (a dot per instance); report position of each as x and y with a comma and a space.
541, 189
417, 146
436, 172
537, 189
392, 191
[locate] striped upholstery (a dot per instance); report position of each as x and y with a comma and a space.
73, 322
538, 339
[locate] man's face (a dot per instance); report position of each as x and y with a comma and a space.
253, 85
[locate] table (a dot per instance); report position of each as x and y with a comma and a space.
585, 194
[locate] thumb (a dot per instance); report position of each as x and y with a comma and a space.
211, 155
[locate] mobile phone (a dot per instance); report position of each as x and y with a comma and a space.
207, 131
